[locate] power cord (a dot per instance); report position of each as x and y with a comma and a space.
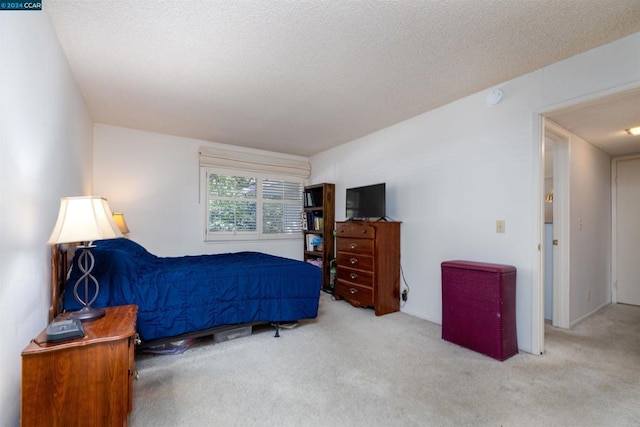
405, 292
38, 342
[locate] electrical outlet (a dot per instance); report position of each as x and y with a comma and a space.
500, 226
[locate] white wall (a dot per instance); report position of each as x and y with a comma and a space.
452, 172
590, 229
154, 180
450, 175
45, 153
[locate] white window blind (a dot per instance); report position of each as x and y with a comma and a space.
292, 166
281, 206
241, 205
232, 204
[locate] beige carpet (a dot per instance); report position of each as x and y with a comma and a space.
351, 368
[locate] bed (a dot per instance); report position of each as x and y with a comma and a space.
195, 295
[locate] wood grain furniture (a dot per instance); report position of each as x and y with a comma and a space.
59, 272
368, 264
319, 220
82, 382
479, 307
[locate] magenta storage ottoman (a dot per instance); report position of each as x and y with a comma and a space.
479, 307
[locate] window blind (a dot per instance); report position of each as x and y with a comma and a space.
232, 159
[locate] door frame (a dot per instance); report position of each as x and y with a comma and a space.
537, 294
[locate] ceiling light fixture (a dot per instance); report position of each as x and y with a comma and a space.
633, 131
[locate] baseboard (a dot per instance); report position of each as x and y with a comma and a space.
591, 313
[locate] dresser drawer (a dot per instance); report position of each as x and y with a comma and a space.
362, 278
368, 264
361, 246
355, 229
356, 295
355, 260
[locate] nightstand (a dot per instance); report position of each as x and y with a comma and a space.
82, 382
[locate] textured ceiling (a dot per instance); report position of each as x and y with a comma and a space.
603, 122
303, 76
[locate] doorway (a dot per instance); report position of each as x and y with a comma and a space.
599, 123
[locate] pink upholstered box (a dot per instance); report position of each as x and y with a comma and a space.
479, 307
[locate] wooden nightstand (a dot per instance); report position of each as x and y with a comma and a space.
82, 382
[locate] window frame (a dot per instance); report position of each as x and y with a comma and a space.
260, 201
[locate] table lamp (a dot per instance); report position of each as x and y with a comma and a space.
84, 219
120, 222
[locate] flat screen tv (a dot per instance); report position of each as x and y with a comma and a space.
366, 202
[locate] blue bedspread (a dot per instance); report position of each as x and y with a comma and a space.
192, 293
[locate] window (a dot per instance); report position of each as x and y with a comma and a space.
252, 194
232, 204
281, 206
246, 205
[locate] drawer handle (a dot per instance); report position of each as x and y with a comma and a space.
364, 231
354, 276
353, 261
353, 290
353, 245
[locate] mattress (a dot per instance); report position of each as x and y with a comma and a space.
178, 295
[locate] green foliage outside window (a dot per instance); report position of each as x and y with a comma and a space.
234, 202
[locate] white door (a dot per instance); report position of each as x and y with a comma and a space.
628, 230
561, 236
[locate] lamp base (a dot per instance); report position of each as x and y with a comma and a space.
86, 314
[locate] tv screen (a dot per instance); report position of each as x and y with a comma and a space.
366, 202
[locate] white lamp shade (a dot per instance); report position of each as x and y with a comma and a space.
84, 219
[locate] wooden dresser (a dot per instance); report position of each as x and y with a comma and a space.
368, 264
82, 382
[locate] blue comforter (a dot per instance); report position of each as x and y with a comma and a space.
192, 293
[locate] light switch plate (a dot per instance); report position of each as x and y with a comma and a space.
500, 226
